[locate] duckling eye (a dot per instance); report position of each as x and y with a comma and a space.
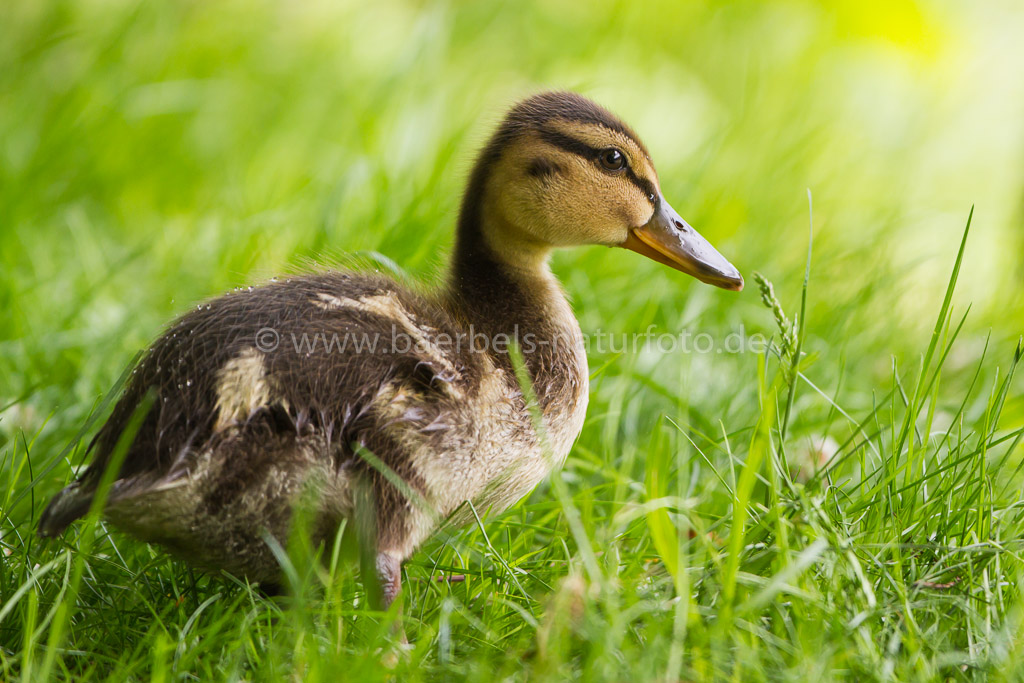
613, 159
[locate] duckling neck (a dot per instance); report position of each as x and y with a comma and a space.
510, 293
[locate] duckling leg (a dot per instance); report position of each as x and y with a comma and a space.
389, 578
381, 571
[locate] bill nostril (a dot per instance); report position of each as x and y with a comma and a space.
681, 226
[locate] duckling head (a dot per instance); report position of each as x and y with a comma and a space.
562, 171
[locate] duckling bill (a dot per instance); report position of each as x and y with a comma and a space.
240, 429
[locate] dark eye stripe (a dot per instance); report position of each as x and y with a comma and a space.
571, 144
646, 186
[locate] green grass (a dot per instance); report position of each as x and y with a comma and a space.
154, 154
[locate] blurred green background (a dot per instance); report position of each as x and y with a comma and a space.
153, 154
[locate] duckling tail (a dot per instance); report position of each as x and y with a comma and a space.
67, 506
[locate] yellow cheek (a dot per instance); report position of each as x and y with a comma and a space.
644, 214
600, 209
576, 206
632, 207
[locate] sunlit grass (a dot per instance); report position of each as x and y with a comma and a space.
849, 511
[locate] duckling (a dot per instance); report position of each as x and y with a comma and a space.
392, 406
